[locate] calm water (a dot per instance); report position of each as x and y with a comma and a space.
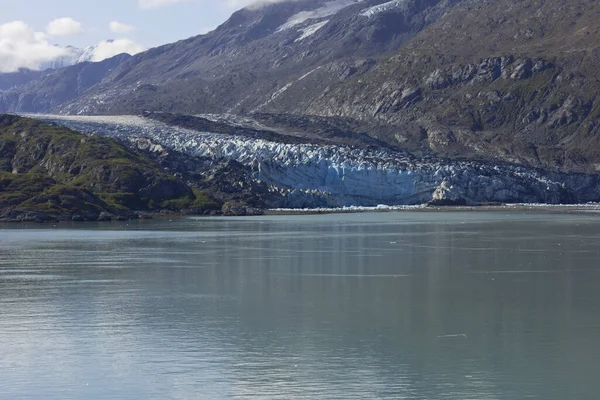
393, 305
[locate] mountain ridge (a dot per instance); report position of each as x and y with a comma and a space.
234, 56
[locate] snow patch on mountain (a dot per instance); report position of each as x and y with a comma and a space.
371, 11
328, 9
105, 49
311, 30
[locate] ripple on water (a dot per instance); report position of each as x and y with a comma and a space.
32, 277
301, 313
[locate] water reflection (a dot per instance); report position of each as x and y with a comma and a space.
397, 305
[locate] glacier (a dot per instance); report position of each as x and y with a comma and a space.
312, 176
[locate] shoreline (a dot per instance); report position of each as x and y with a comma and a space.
555, 208
590, 208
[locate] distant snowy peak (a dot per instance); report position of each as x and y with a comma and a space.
74, 56
86, 54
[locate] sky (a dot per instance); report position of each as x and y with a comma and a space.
30, 29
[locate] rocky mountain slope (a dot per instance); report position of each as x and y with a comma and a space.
497, 81
49, 172
20, 80
515, 81
247, 62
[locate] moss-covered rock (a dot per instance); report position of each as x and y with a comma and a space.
51, 172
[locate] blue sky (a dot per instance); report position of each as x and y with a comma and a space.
167, 21
30, 29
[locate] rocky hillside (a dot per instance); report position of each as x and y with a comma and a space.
49, 172
512, 81
515, 81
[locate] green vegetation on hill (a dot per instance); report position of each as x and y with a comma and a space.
50, 172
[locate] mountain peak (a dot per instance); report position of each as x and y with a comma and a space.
75, 56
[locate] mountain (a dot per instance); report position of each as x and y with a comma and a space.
51, 88
261, 54
24, 76
515, 81
511, 81
14, 80
248, 61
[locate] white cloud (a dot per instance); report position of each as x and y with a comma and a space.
111, 48
64, 27
149, 4
119, 27
22, 47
